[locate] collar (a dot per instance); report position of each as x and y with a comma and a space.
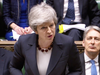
87, 59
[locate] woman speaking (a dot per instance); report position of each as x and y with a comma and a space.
45, 52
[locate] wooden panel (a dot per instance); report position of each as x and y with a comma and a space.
79, 46
9, 45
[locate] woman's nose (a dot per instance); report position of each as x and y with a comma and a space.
49, 30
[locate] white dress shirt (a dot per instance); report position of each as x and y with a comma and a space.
88, 65
78, 18
76, 7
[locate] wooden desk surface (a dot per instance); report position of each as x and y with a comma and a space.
10, 44
78, 42
79, 46
7, 43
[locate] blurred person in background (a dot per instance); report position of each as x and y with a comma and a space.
15, 13
72, 13
90, 58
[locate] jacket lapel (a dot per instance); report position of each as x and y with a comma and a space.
56, 54
99, 62
31, 55
80, 6
83, 63
32, 59
61, 7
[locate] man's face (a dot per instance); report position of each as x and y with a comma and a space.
92, 42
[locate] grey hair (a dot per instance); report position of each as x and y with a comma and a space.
90, 28
40, 14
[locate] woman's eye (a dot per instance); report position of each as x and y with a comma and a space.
51, 25
43, 28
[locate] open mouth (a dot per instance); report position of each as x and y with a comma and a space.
50, 36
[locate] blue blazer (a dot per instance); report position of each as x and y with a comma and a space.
5, 58
88, 9
83, 63
64, 53
11, 10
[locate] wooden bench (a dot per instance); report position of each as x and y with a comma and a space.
79, 46
9, 45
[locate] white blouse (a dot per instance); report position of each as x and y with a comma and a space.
43, 59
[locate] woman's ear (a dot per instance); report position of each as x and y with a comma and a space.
35, 31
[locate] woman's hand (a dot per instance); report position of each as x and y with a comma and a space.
17, 29
28, 30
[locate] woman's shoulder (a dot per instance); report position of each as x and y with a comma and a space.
27, 37
64, 38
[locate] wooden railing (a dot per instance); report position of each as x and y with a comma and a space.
79, 46
9, 45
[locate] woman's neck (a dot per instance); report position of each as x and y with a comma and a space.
44, 44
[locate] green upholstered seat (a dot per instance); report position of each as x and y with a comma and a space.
0, 7
98, 1
23, 71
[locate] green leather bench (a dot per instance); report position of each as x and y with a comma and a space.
98, 1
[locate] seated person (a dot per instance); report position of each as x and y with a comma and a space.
90, 59
45, 52
15, 13
80, 13
5, 58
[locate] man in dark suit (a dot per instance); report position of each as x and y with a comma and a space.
5, 57
86, 13
91, 43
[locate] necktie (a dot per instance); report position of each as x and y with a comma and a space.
70, 15
93, 68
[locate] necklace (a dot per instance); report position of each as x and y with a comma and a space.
44, 50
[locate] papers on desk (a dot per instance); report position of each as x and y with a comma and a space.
64, 27
15, 35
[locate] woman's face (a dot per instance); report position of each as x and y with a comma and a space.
46, 31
